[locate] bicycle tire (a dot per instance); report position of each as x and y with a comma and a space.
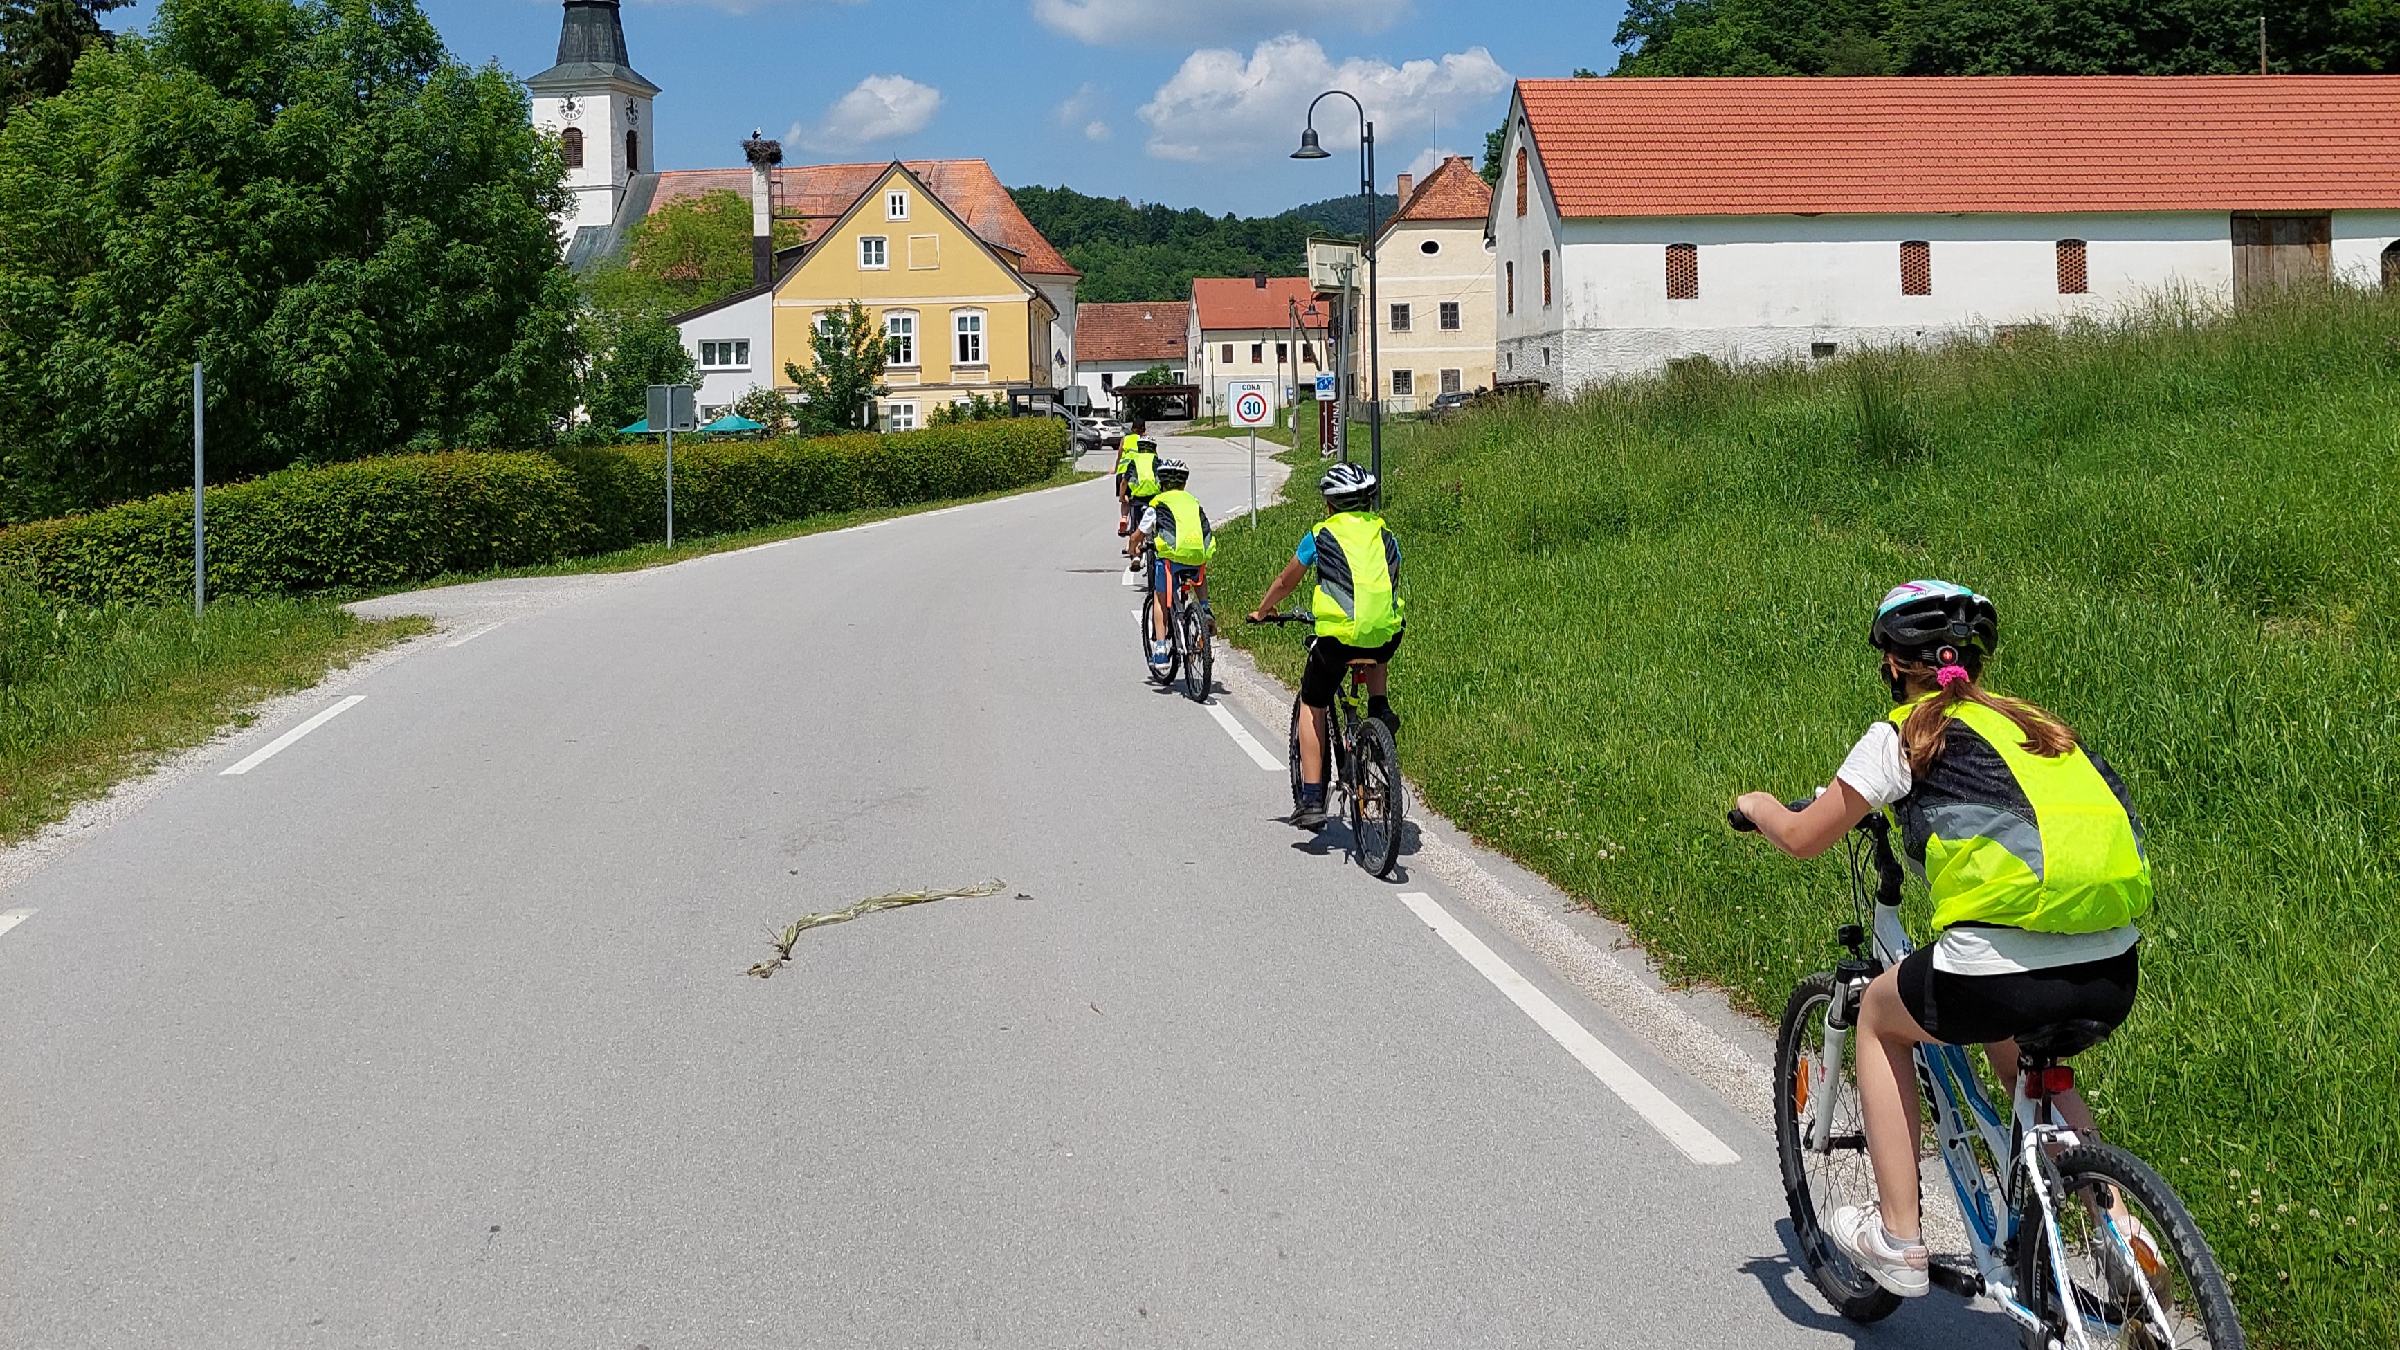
1292, 756
1853, 1294
2193, 1294
1164, 677
1375, 785
1199, 653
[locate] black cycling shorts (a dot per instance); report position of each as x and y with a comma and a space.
1329, 662
1980, 1009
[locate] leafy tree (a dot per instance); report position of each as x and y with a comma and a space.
643, 352
1152, 252
846, 376
683, 256
40, 41
1155, 375
351, 229
767, 408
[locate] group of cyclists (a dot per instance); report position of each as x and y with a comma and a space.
2028, 842
1358, 614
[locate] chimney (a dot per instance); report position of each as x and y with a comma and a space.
1407, 181
763, 155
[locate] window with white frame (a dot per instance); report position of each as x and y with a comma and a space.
900, 338
1449, 316
1404, 382
1451, 381
895, 205
822, 321
899, 417
725, 354
874, 253
1400, 318
968, 325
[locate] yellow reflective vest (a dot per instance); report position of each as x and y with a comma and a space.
1357, 600
1183, 534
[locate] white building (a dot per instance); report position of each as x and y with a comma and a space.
599, 108
1115, 342
1637, 221
1252, 328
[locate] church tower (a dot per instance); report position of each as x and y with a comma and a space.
599, 107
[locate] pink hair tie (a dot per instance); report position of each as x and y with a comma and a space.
1950, 675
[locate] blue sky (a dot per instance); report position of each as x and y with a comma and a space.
1188, 102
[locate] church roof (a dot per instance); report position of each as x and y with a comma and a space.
591, 51
819, 194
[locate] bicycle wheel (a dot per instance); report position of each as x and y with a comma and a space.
1816, 1183
1376, 799
1162, 676
1199, 651
2139, 1273
1292, 755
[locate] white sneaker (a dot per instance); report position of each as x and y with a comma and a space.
1859, 1235
1161, 652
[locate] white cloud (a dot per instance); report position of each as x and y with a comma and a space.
1126, 22
1221, 105
881, 108
1096, 130
1075, 112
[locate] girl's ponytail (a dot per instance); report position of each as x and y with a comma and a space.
1928, 726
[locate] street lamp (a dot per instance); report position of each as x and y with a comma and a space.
1311, 149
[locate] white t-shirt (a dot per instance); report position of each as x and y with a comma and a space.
1877, 770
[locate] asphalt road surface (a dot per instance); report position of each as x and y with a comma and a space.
430, 1028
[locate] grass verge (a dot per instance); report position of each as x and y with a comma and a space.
90, 696
1626, 609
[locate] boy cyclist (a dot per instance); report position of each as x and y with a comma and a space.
1358, 611
1126, 515
1177, 531
1137, 478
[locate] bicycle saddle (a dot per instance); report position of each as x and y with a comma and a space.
2062, 1040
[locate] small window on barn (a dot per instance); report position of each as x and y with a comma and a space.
1520, 180
1545, 278
1821, 350
1683, 271
574, 144
2391, 267
1916, 267
2074, 278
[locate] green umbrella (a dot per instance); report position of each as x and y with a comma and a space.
734, 422
641, 428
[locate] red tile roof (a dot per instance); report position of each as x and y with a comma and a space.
1454, 191
819, 193
1239, 302
1678, 147
1143, 330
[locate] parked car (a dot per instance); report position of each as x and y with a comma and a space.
1450, 405
1095, 432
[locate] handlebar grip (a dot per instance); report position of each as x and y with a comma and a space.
1741, 822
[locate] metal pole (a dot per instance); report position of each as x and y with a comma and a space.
1254, 477
1374, 329
670, 473
2262, 44
199, 491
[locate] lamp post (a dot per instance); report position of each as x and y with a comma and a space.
1310, 320
1311, 149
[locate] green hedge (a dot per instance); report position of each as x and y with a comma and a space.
387, 522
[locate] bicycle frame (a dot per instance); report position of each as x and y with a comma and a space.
1964, 1117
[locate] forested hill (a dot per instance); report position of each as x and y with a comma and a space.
1151, 252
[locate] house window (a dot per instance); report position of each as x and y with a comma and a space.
1683, 271
1916, 267
726, 354
1449, 316
895, 206
2074, 278
822, 321
1179, 378
1258, 353
874, 253
1545, 278
900, 339
1451, 381
1821, 350
573, 142
1430, 247
1308, 352
1512, 288
1511, 359
1283, 352
1108, 381
1225, 356
1399, 318
633, 152
1520, 180
900, 417
924, 252
969, 323
1404, 382
1545, 357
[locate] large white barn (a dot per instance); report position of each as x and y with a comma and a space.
1638, 221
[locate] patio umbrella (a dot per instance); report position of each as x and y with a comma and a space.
734, 422
641, 428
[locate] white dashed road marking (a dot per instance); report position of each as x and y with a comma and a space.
472, 634
284, 742
14, 917
1242, 737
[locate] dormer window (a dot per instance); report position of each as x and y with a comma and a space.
895, 206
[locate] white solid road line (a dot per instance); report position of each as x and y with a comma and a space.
14, 917
472, 634
1615, 1074
283, 742
1242, 737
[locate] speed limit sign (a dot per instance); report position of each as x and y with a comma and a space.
1251, 406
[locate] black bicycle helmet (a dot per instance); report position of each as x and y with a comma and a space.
1936, 623
1347, 487
1172, 473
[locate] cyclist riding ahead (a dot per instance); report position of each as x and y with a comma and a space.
1178, 531
1358, 612
1126, 514
2034, 857
1137, 476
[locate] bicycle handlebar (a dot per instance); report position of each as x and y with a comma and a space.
1281, 619
1743, 824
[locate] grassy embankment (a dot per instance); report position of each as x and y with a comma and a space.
1625, 610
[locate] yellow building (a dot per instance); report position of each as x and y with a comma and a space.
958, 317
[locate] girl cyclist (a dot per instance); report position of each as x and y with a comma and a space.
2034, 858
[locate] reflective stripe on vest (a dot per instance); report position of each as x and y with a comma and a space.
2007, 837
1183, 532
1358, 593
1144, 464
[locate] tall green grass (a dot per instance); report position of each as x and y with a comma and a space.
89, 694
1626, 609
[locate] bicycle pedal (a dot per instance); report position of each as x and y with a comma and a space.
1954, 1273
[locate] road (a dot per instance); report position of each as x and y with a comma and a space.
430, 1028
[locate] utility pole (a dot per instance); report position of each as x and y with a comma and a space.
2262, 44
199, 491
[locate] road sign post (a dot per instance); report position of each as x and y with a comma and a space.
1253, 407
673, 408
199, 491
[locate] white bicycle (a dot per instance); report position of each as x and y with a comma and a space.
2078, 1242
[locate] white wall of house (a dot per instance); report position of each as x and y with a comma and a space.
1457, 271
1101, 392
751, 321
1254, 358
1529, 334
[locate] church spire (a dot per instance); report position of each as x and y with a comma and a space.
591, 50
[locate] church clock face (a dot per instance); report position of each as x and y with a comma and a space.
571, 108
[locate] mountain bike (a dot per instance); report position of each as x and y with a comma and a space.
1192, 626
2079, 1243
1163, 676
1360, 767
